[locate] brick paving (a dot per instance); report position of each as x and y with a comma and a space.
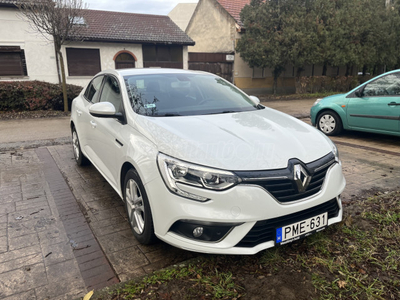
106, 217
94, 267
36, 259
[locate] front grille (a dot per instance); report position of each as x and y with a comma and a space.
281, 184
264, 231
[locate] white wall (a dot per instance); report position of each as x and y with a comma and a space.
40, 55
185, 58
107, 53
39, 51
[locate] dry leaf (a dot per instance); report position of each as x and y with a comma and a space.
88, 295
342, 284
348, 221
362, 271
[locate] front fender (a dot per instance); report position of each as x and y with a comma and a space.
339, 107
142, 155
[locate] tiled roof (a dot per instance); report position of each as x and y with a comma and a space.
234, 7
128, 27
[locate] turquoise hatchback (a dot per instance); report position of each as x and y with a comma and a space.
373, 106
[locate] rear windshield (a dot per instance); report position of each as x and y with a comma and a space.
184, 94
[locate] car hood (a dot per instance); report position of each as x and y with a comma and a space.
257, 140
333, 97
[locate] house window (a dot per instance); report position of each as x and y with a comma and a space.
124, 61
83, 62
12, 61
163, 56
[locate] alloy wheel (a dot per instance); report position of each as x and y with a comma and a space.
75, 145
135, 206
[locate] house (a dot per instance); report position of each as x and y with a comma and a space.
107, 40
216, 27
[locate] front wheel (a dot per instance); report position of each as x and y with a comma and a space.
138, 208
329, 123
80, 159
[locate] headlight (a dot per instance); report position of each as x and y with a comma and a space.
336, 152
174, 170
317, 101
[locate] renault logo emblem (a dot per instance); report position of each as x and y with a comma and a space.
301, 178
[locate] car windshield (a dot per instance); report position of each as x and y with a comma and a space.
161, 95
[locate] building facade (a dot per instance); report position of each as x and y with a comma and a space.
107, 40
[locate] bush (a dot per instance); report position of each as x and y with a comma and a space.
34, 95
323, 84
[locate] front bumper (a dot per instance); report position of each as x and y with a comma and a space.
243, 205
313, 114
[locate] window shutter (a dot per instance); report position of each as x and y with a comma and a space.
83, 62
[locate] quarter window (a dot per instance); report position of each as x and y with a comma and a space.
112, 93
92, 91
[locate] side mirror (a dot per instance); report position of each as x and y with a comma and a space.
105, 110
255, 100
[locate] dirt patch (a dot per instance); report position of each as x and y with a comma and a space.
10, 115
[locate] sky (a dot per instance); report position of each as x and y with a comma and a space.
155, 7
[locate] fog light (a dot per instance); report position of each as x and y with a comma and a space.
198, 231
202, 231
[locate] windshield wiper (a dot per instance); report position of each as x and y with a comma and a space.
170, 115
230, 111
224, 112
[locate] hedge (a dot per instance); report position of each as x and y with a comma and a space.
321, 84
34, 95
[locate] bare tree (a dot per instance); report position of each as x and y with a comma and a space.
59, 21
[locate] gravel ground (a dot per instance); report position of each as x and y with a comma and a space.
12, 115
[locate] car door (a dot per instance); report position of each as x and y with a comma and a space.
108, 134
81, 112
378, 108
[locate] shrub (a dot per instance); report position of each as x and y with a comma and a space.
322, 84
34, 95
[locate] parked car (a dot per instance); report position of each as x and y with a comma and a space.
201, 165
372, 107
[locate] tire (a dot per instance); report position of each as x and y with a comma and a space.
138, 208
80, 159
329, 123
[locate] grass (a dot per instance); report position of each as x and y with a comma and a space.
357, 259
271, 97
212, 284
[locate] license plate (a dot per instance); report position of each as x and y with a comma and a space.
295, 231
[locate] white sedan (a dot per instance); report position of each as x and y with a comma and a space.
201, 165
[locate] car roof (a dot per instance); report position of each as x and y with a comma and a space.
151, 71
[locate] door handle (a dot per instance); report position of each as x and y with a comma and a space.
393, 104
93, 123
79, 112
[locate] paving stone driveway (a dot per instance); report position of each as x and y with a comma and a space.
54, 247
